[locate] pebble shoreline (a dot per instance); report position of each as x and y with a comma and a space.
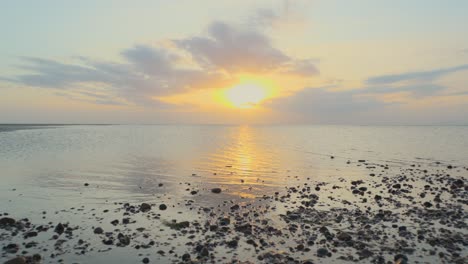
395, 214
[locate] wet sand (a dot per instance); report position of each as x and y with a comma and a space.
386, 213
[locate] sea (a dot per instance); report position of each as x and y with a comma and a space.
72, 173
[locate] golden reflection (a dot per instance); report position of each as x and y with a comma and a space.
244, 164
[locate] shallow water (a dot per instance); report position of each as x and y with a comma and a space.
44, 169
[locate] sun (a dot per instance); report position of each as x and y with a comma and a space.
246, 95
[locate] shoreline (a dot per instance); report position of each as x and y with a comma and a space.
394, 213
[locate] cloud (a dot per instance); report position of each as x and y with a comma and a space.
329, 105
147, 72
417, 91
415, 76
234, 50
324, 106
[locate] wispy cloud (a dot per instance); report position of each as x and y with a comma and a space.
415, 76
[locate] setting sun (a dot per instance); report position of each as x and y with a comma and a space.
246, 95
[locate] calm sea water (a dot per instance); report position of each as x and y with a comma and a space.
128, 162
45, 168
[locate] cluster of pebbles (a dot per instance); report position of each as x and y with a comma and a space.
393, 214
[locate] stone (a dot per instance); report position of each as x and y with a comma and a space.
17, 260
144, 207
7, 221
98, 230
162, 207
216, 190
343, 236
59, 228
186, 257
322, 252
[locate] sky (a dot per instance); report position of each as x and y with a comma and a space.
360, 62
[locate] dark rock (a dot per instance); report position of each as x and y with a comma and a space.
162, 207
17, 260
7, 221
427, 204
204, 252
115, 222
144, 207
344, 236
108, 242
11, 248
246, 229
30, 234
224, 221
232, 244
145, 260
186, 257
59, 228
123, 240
322, 252
365, 253
98, 230
400, 258
216, 190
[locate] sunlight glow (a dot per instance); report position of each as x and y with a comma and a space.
246, 95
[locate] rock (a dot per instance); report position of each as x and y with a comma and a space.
224, 221
7, 221
123, 240
145, 260
232, 244
17, 260
108, 242
144, 207
86, 184
162, 207
204, 252
322, 252
246, 229
216, 190
365, 253
343, 236
401, 259
30, 234
186, 257
115, 222
36, 258
59, 228
427, 204
11, 248
98, 230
